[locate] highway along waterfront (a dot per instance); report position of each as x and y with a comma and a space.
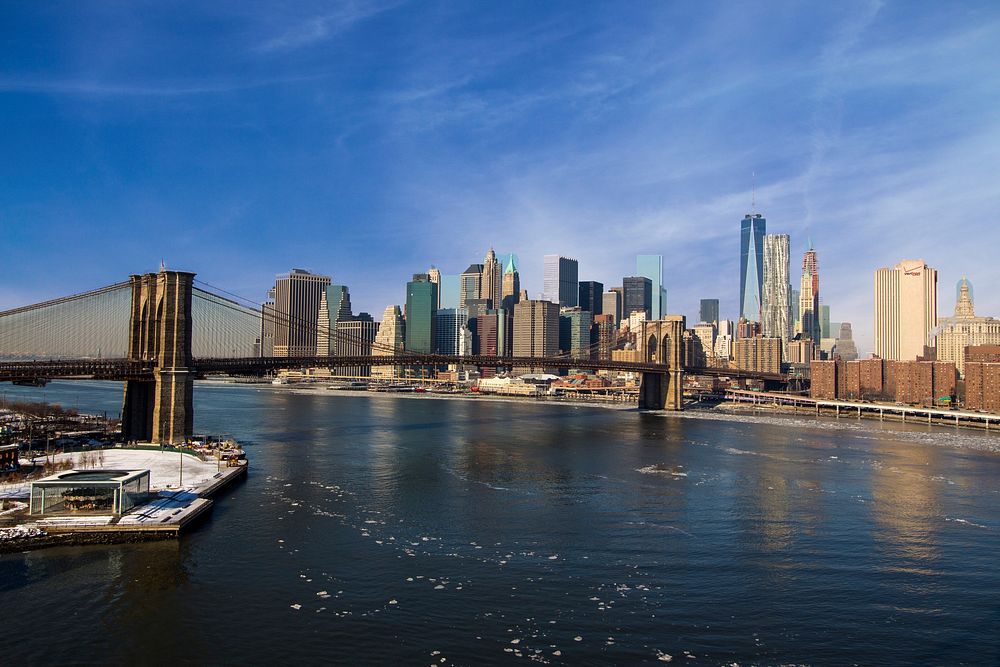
381, 529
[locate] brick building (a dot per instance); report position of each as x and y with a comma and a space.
982, 385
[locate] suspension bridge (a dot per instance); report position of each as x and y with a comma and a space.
158, 332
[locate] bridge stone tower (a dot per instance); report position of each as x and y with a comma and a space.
662, 341
160, 411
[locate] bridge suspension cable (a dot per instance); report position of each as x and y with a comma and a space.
92, 324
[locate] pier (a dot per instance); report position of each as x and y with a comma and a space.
881, 411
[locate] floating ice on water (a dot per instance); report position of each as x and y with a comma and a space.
322, 593
664, 657
393, 602
578, 638
553, 557
515, 641
296, 606
557, 652
409, 578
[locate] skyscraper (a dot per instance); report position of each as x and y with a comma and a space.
752, 231
809, 297
592, 297
389, 339
334, 307
613, 304
824, 322
794, 321
560, 280
638, 295
709, 311
421, 297
490, 284
511, 289
451, 332
470, 284
354, 339
651, 266
774, 304
435, 275
296, 312
905, 309
536, 331
574, 332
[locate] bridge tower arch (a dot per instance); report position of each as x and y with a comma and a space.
160, 411
663, 391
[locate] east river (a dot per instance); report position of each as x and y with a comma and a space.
395, 530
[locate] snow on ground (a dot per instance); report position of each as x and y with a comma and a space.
164, 467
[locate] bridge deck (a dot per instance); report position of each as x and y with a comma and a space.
125, 369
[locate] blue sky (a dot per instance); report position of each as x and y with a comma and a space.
369, 140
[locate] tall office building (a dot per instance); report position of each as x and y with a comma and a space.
905, 309
560, 280
389, 339
536, 331
421, 297
703, 343
794, 321
491, 283
354, 339
592, 297
435, 275
709, 311
825, 331
334, 307
774, 302
296, 312
470, 285
651, 266
605, 336
809, 298
638, 296
613, 304
451, 332
574, 332
510, 292
964, 329
752, 231
268, 325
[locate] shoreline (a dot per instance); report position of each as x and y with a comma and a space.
723, 410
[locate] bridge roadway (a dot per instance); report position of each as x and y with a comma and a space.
124, 369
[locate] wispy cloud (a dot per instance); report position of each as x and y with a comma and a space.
84, 87
316, 29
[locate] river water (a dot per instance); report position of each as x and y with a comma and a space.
397, 530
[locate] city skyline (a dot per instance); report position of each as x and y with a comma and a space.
882, 133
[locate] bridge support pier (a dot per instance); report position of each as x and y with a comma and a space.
161, 411
663, 340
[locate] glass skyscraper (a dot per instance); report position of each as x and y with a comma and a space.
709, 311
638, 296
421, 299
651, 266
752, 231
591, 297
561, 280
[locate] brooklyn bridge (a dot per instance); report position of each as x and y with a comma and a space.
158, 332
